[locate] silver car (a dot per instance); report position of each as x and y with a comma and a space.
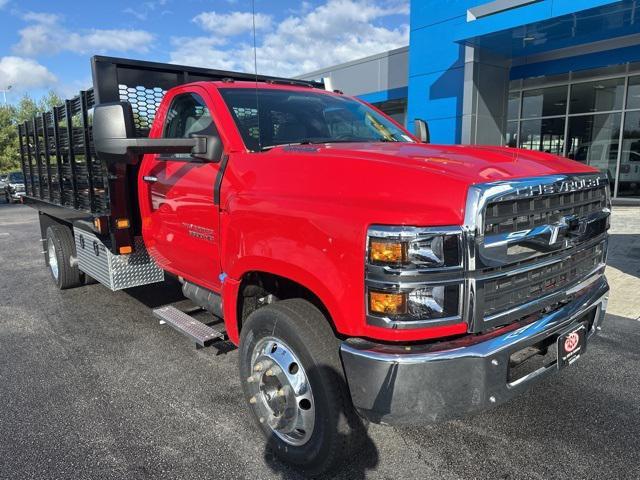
14, 187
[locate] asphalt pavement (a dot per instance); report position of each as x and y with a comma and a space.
92, 387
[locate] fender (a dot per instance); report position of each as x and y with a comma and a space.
231, 286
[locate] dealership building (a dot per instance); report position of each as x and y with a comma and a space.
562, 76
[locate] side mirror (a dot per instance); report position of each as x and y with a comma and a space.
422, 130
213, 149
114, 137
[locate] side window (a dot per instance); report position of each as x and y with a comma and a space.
188, 115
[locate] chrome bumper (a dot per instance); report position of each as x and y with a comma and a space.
403, 385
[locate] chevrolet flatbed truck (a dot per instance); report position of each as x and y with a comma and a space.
364, 274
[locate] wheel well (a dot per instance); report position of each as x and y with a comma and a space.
258, 289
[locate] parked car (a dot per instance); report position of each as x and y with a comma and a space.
3, 182
14, 187
359, 269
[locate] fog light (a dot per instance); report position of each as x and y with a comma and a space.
388, 303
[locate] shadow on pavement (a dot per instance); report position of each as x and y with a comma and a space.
158, 294
624, 253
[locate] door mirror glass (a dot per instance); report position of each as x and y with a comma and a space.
422, 130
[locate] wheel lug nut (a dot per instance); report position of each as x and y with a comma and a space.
262, 365
253, 400
270, 373
252, 379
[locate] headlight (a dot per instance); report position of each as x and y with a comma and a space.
424, 303
414, 276
420, 247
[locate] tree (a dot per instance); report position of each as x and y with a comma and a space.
10, 117
9, 153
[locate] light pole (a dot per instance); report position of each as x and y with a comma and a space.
4, 93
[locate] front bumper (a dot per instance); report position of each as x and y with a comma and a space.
420, 384
16, 195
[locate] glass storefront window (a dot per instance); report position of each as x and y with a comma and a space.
599, 96
513, 107
544, 102
546, 135
629, 179
633, 93
512, 134
591, 116
593, 139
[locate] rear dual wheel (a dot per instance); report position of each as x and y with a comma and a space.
60, 251
293, 380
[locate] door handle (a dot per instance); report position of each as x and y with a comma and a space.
150, 179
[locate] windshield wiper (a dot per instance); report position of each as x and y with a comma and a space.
329, 140
303, 142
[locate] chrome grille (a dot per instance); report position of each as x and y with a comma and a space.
520, 214
507, 292
530, 242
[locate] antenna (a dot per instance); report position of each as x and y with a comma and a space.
255, 67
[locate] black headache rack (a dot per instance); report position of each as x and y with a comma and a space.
64, 178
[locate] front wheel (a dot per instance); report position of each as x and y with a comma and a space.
292, 378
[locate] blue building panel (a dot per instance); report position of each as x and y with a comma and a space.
385, 95
440, 33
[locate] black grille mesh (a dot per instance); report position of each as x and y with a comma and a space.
508, 292
515, 215
144, 103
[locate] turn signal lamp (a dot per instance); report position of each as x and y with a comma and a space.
97, 223
381, 251
122, 223
125, 250
388, 303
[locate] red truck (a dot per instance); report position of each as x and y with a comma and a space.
363, 273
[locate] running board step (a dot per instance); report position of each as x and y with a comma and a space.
197, 331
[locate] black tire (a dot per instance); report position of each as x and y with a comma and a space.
60, 244
337, 429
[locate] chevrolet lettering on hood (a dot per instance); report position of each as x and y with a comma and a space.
565, 186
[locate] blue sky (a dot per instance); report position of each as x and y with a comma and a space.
47, 44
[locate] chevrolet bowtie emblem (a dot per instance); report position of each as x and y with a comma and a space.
562, 227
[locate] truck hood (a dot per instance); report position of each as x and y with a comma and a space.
470, 164
392, 183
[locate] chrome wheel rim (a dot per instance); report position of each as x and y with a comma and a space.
53, 260
280, 392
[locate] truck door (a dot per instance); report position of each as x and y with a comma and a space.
180, 221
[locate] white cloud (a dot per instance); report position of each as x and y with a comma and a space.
24, 73
3, 3
46, 34
44, 18
143, 10
334, 32
234, 23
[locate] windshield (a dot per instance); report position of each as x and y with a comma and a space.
267, 118
16, 177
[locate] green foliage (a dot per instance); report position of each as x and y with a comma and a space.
10, 117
